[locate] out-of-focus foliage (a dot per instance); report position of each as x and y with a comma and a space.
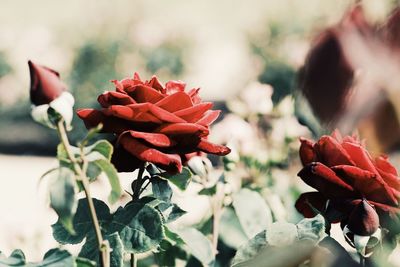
5, 67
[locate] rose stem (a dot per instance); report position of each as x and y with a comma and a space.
138, 185
216, 203
135, 196
133, 260
362, 260
103, 246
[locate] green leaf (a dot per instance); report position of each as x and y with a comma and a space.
250, 249
56, 258
62, 154
48, 173
252, 210
62, 197
168, 253
112, 175
140, 227
90, 250
170, 211
161, 188
311, 228
103, 147
17, 258
198, 245
172, 237
282, 234
82, 262
210, 191
91, 134
181, 180
230, 230
93, 171
82, 222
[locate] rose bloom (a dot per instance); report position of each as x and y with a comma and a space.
346, 70
154, 123
344, 174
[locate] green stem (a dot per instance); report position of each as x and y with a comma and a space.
217, 204
362, 260
103, 246
135, 196
138, 185
133, 260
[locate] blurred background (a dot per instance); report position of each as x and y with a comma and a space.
224, 47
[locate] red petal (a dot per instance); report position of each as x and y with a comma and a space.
175, 102
326, 76
114, 98
359, 156
155, 139
310, 203
325, 181
155, 83
144, 94
337, 135
331, 153
194, 113
383, 164
125, 84
183, 129
173, 87
136, 77
211, 148
369, 184
171, 162
92, 118
194, 95
132, 112
306, 151
391, 29
392, 180
147, 117
209, 117
45, 84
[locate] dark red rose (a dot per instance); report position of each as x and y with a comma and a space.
342, 83
344, 173
154, 123
327, 75
45, 84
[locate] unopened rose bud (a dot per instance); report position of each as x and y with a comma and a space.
47, 91
45, 84
362, 230
363, 220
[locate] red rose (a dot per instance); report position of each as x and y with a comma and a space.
344, 174
154, 123
341, 81
46, 85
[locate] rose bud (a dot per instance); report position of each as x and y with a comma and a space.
48, 91
363, 220
362, 230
